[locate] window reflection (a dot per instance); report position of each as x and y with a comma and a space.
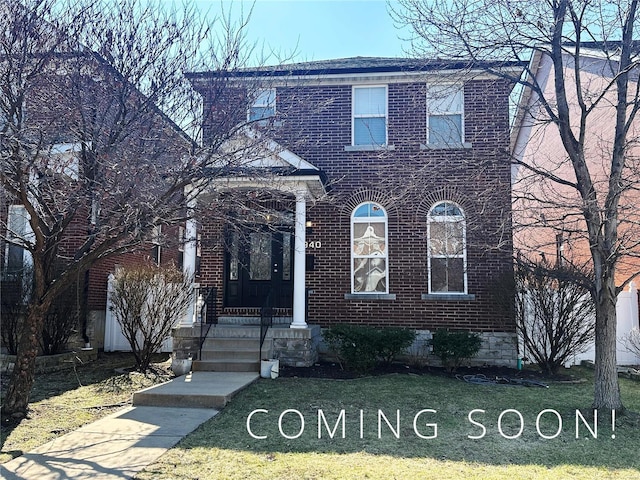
369, 249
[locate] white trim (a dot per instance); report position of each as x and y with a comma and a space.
274, 152
370, 115
299, 262
312, 184
372, 77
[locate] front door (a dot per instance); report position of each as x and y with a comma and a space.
258, 263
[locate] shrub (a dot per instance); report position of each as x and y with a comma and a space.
147, 301
392, 341
454, 347
15, 292
60, 323
553, 309
12, 313
631, 342
360, 347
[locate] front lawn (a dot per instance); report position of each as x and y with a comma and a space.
64, 401
437, 446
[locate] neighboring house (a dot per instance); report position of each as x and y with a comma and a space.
383, 197
547, 215
59, 119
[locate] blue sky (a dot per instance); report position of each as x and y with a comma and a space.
319, 29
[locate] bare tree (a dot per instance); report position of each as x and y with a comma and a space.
91, 96
554, 312
148, 301
586, 189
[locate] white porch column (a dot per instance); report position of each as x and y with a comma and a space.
299, 263
189, 254
189, 265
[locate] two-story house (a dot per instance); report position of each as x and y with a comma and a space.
548, 211
83, 163
383, 198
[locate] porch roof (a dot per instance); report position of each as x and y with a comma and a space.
253, 161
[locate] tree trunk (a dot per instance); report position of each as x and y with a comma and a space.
16, 402
607, 389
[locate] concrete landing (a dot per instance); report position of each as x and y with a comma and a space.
196, 390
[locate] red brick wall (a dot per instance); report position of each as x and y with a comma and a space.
53, 112
315, 123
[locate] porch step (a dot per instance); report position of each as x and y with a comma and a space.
234, 331
230, 354
223, 365
253, 321
232, 348
231, 343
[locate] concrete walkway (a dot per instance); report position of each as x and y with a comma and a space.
123, 443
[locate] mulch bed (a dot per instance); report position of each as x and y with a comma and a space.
334, 370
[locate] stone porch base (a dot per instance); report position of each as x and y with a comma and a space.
303, 347
293, 347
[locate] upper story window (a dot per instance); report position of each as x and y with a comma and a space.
60, 161
263, 106
369, 249
447, 249
445, 115
370, 115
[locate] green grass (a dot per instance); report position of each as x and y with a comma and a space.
64, 401
222, 447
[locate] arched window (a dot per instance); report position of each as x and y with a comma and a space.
369, 255
447, 249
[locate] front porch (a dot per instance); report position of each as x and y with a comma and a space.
260, 265
234, 344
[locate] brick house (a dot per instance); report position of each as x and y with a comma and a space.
384, 199
59, 106
556, 230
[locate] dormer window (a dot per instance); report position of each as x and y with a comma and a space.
264, 105
370, 115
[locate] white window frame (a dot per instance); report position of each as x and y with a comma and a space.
369, 115
382, 219
18, 237
455, 88
261, 100
442, 219
156, 241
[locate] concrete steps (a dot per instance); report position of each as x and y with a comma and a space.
232, 348
226, 365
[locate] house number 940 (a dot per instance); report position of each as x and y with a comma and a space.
315, 244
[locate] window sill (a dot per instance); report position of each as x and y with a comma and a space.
369, 296
266, 122
448, 297
368, 148
446, 146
